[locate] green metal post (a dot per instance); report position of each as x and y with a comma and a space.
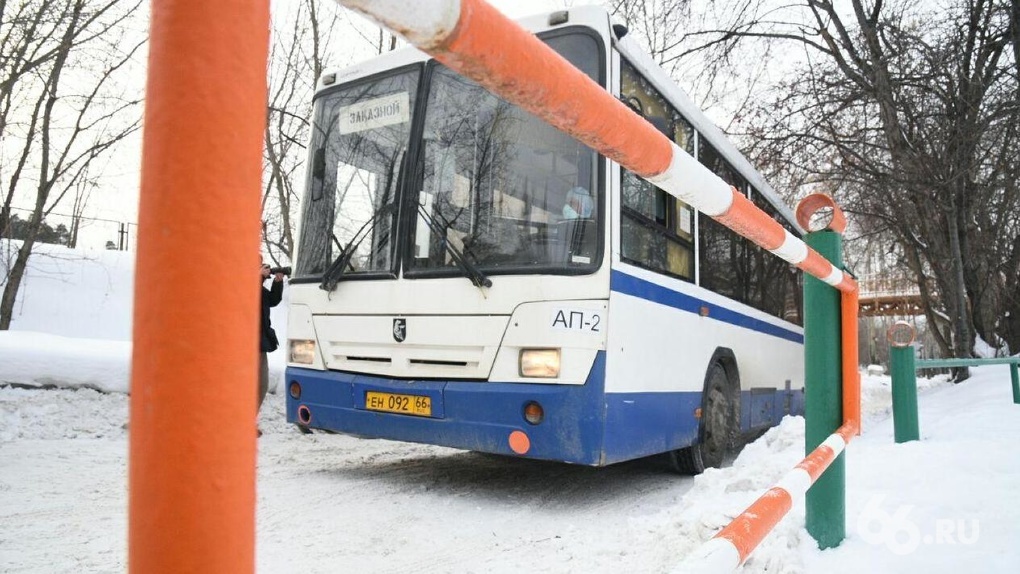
904, 393
1013, 374
823, 396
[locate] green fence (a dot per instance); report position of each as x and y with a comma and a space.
903, 368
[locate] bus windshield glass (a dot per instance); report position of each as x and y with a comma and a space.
361, 136
508, 190
490, 189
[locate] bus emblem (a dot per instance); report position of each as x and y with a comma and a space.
400, 330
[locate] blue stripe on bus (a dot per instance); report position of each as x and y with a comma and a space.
583, 424
636, 287
643, 424
469, 415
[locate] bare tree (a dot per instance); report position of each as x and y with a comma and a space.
912, 118
712, 68
61, 104
908, 112
306, 40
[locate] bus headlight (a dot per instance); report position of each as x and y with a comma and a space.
302, 351
540, 363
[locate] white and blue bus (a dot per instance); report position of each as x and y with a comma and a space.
469, 276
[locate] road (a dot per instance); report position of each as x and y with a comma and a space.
333, 503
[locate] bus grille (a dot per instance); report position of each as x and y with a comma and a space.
455, 347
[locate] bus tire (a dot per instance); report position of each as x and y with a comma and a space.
718, 423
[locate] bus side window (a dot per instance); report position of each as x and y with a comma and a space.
780, 292
725, 257
656, 229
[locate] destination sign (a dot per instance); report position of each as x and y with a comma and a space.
375, 113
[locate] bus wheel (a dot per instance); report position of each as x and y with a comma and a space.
718, 424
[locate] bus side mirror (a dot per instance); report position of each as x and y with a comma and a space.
318, 172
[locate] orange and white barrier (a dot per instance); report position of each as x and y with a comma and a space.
728, 549
471, 37
477, 41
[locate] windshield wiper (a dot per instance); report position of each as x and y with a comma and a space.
337, 269
472, 272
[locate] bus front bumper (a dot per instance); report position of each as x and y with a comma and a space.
470, 415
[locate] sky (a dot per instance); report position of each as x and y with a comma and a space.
117, 200
334, 503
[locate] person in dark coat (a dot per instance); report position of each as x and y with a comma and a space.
267, 336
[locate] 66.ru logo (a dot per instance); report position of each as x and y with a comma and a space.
901, 535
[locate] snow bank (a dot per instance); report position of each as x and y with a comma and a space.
876, 392
27, 414
43, 360
946, 503
72, 321
75, 292
719, 495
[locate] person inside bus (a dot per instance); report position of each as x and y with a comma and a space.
267, 336
573, 236
578, 205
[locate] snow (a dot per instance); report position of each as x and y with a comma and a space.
982, 349
75, 293
44, 360
333, 503
72, 321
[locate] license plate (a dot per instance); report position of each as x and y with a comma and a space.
404, 404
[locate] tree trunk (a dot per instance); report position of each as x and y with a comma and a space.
962, 343
72, 240
927, 304
13, 285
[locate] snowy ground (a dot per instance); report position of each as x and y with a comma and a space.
330, 503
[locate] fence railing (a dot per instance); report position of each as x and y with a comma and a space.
903, 368
74, 231
1013, 362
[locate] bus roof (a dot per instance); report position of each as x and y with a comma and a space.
589, 16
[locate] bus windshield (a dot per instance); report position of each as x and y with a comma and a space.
510, 190
490, 184
361, 137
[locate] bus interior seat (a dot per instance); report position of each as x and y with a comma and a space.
573, 238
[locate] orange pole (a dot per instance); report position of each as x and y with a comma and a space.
193, 381
749, 528
851, 371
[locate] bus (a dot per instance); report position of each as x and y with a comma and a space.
469, 276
